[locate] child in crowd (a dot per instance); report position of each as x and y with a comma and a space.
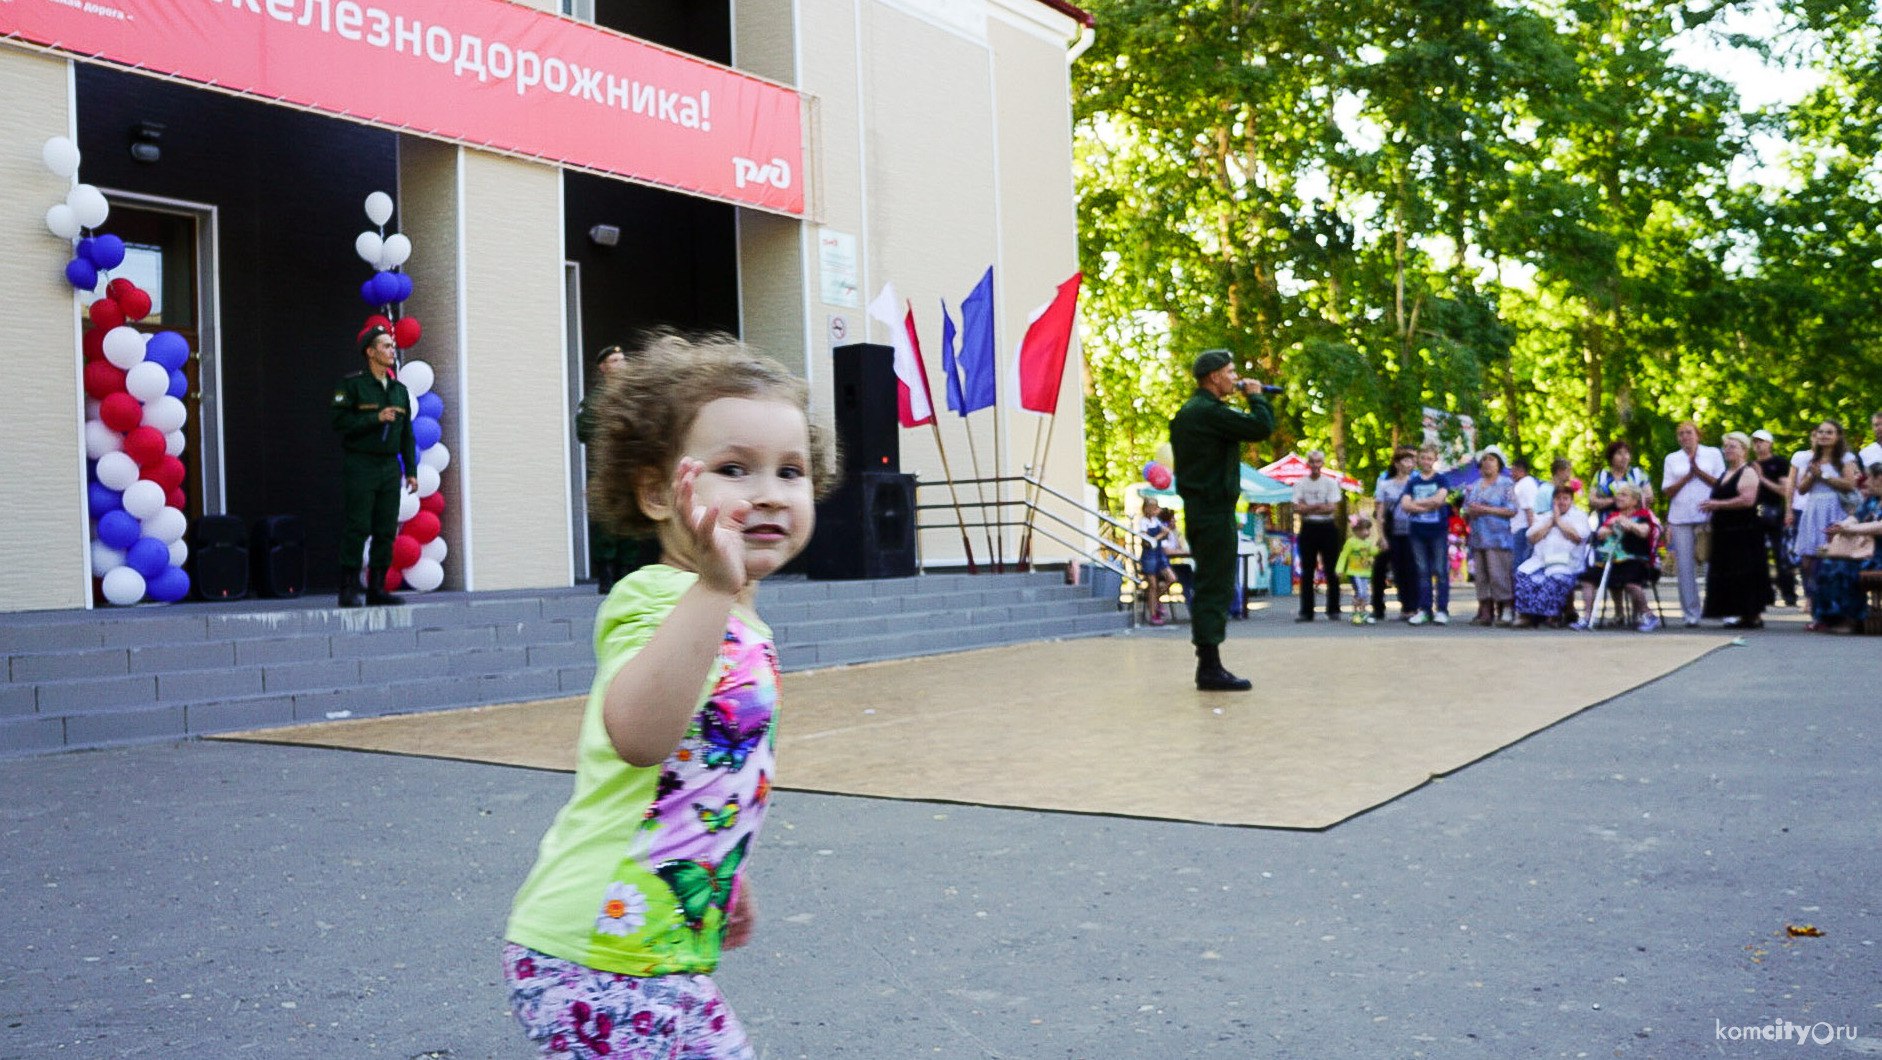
1154, 559
1355, 562
706, 446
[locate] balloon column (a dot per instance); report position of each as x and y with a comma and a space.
418, 552
134, 412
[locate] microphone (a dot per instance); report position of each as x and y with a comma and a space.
1270, 388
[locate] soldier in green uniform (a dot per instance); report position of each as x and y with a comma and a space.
1206, 439
608, 553
372, 414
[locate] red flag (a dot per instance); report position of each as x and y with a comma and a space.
914, 404
1042, 352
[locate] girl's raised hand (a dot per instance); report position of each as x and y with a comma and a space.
715, 535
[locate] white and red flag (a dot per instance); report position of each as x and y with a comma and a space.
914, 404
1041, 359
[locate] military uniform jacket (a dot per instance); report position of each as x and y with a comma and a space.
1206, 438
356, 404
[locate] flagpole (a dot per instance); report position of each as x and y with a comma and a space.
935, 423
980, 487
1035, 487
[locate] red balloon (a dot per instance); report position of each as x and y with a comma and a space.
1157, 475
106, 314
423, 527
433, 504
393, 580
135, 303
95, 344
406, 551
407, 332
145, 445
176, 498
103, 379
122, 412
165, 471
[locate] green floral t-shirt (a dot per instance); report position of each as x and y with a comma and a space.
638, 871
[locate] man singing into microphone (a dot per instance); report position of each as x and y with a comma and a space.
1206, 439
372, 414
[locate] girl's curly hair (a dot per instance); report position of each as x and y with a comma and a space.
643, 409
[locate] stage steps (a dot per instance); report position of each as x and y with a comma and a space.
84, 679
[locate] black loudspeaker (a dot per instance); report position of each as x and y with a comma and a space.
863, 387
219, 557
278, 551
866, 529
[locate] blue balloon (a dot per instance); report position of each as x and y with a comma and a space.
430, 404
385, 287
405, 286
147, 556
121, 530
103, 500
168, 349
170, 585
106, 251
179, 384
426, 432
81, 274
369, 293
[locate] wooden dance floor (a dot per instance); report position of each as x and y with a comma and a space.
1340, 721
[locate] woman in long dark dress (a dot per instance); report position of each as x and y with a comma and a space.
1738, 587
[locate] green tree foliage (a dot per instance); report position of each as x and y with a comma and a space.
1525, 211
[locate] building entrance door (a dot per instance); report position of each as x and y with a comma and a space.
168, 251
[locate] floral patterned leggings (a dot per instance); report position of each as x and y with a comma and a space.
574, 1012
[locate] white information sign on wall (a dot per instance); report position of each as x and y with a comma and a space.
836, 259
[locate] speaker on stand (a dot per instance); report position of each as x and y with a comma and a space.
866, 528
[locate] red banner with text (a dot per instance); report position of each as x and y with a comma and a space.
489, 73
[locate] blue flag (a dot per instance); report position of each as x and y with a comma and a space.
976, 355
956, 402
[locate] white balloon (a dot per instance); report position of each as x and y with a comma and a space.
179, 552
61, 156
427, 481
436, 458
119, 471
147, 381
398, 249
124, 347
124, 586
408, 505
163, 411
101, 440
378, 207
62, 221
369, 247
417, 377
425, 575
166, 526
105, 559
142, 498
174, 442
88, 205
435, 550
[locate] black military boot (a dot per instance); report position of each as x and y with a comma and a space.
349, 586
376, 594
1211, 677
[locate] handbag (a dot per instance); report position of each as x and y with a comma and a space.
1849, 546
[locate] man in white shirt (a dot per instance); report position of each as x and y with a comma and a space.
1686, 478
1317, 502
1871, 454
1525, 509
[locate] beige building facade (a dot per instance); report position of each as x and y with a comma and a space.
937, 143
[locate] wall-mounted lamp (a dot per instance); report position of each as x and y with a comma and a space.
146, 140
605, 235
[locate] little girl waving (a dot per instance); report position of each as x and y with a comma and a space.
707, 446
